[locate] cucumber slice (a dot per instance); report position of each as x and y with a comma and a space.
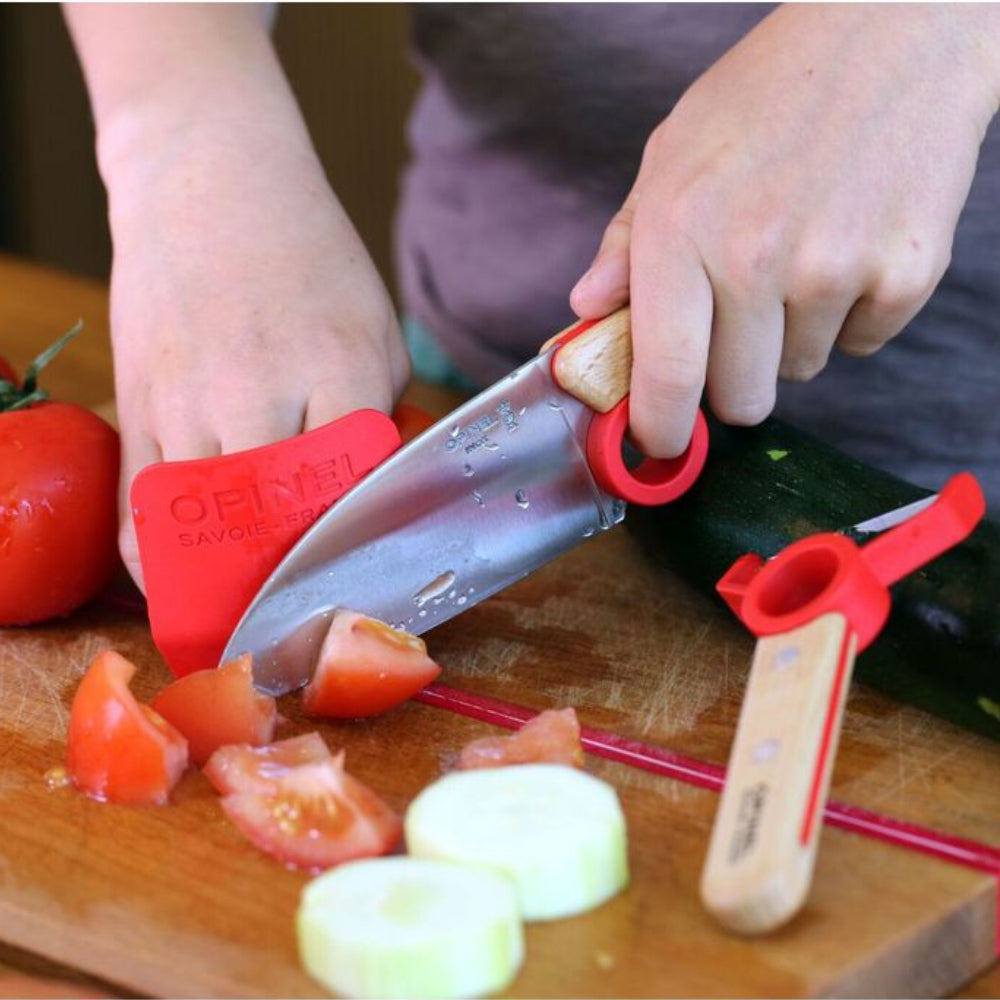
557, 833
400, 927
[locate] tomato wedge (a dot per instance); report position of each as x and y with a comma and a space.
214, 708
259, 769
551, 737
119, 750
366, 667
316, 816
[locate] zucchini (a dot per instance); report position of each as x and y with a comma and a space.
765, 487
397, 927
557, 833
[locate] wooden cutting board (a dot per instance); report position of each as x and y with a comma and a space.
173, 901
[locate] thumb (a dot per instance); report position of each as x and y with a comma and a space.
604, 287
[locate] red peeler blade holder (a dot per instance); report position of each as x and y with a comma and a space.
813, 607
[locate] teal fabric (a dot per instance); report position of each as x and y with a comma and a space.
430, 362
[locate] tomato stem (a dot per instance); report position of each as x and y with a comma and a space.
30, 393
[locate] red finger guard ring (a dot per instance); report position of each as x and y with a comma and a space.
655, 480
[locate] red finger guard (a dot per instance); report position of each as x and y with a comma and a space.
656, 480
828, 572
211, 530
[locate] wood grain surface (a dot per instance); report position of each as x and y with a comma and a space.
596, 365
763, 846
173, 901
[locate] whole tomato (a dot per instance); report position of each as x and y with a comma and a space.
58, 485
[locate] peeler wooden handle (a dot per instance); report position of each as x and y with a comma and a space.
763, 846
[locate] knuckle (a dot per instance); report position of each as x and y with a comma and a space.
861, 346
744, 410
908, 283
820, 277
745, 262
670, 379
678, 211
618, 231
801, 369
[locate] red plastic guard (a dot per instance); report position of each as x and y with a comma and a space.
211, 530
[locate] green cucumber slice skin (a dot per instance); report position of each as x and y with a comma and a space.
467, 960
765, 487
554, 877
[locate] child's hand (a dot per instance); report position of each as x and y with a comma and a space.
803, 193
244, 307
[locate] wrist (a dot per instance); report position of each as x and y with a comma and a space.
196, 108
155, 72
193, 147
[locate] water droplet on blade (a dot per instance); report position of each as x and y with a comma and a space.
521, 499
468, 470
478, 497
439, 585
462, 600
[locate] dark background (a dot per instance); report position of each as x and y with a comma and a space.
347, 63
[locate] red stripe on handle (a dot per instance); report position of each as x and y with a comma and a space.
829, 726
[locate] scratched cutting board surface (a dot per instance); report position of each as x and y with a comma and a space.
172, 901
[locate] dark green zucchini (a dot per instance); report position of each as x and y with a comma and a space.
767, 486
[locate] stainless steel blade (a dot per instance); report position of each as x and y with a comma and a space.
480, 500
883, 522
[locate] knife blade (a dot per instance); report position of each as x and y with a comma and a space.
478, 501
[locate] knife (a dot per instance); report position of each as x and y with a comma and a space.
523, 472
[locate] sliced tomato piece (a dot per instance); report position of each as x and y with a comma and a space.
551, 737
410, 421
214, 708
366, 667
119, 750
247, 768
316, 816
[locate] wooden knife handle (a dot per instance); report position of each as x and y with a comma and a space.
596, 366
763, 847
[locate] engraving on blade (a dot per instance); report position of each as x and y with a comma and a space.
480, 500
